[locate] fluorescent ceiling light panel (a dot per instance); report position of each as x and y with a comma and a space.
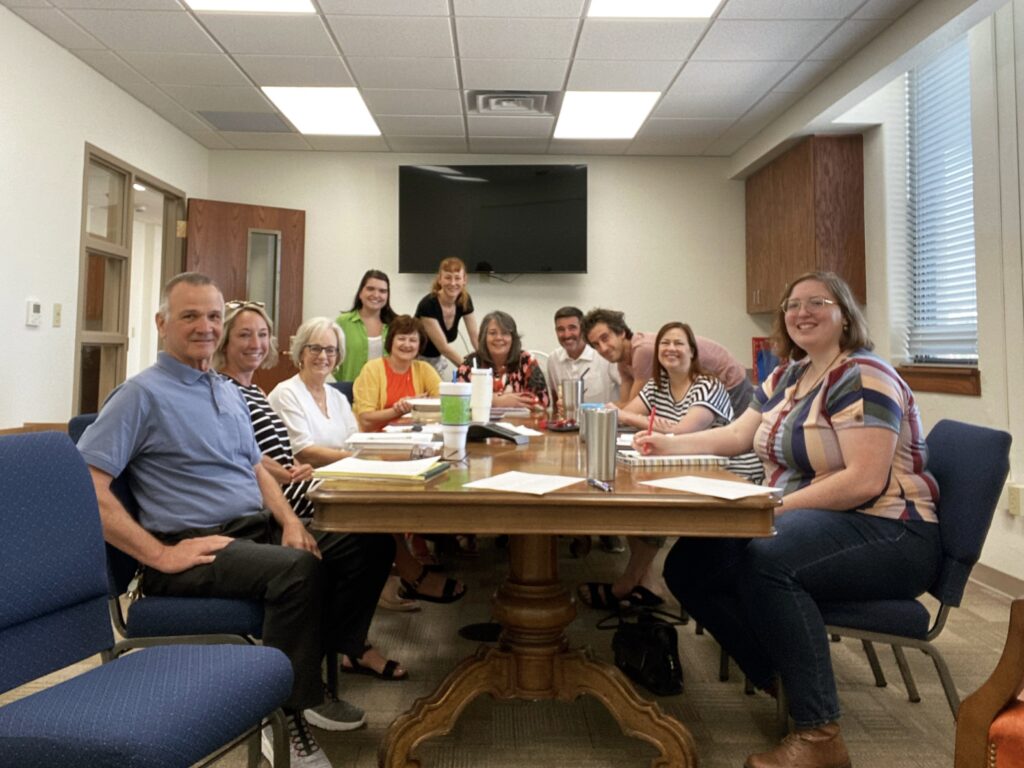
653, 9
252, 6
324, 111
604, 114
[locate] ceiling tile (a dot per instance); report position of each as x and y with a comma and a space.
848, 39
427, 144
12, 4
639, 39
421, 125
252, 122
789, 9
219, 98
121, 5
392, 36
412, 73
507, 126
489, 38
164, 105
596, 75
209, 139
698, 92
656, 128
513, 74
582, 147
404, 102
761, 40
551, 9
386, 7
111, 66
270, 33
299, 71
186, 68
751, 124
153, 31
494, 146
884, 9
348, 143
272, 141
670, 146
805, 76
59, 28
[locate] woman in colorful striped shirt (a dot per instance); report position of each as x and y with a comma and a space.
840, 432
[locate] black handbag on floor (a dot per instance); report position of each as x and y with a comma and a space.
646, 649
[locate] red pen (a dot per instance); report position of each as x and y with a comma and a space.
650, 421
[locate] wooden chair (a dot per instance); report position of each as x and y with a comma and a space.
990, 723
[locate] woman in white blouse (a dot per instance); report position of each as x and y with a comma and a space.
318, 416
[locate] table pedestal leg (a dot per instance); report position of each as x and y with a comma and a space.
532, 662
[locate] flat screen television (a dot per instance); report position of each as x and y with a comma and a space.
496, 218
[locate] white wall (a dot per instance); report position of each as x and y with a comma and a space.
51, 104
666, 238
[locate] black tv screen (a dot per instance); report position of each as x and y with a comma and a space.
496, 218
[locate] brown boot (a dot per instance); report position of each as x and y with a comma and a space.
814, 748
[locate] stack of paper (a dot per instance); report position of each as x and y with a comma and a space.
351, 468
388, 442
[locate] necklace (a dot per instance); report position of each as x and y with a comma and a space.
817, 381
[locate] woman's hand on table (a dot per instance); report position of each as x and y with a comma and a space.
652, 443
402, 406
516, 400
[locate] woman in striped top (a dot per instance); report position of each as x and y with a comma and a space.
247, 344
683, 398
840, 432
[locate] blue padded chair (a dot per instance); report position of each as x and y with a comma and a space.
345, 387
160, 620
970, 464
161, 707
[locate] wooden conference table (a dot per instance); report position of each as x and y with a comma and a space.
532, 660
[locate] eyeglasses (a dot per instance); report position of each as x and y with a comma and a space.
316, 349
813, 304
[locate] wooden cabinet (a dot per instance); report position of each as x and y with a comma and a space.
805, 211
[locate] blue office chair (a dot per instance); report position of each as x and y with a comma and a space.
970, 464
160, 620
158, 708
345, 387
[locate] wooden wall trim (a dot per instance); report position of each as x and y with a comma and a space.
947, 379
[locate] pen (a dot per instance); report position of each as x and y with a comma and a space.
599, 484
650, 421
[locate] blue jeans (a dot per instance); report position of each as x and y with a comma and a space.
759, 597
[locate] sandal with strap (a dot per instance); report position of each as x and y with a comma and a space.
598, 594
388, 673
641, 597
410, 590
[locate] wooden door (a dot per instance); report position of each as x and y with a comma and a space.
224, 240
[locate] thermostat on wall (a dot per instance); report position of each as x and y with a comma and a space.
33, 313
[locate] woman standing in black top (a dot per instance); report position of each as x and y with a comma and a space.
440, 310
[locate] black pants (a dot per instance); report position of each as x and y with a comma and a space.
309, 605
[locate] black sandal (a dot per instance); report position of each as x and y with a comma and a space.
410, 589
388, 673
641, 597
598, 594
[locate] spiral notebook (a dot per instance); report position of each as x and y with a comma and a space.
635, 459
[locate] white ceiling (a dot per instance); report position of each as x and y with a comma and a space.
722, 79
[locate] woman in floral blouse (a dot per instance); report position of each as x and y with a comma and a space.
518, 379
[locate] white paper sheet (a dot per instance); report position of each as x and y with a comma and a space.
706, 486
352, 466
624, 440
524, 482
520, 429
389, 438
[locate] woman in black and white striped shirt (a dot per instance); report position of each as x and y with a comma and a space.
683, 398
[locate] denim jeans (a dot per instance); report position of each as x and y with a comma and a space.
759, 597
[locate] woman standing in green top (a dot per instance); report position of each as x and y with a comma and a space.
365, 325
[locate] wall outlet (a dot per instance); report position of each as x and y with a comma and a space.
1015, 492
58, 310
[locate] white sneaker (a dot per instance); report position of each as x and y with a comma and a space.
305, 752
335, 714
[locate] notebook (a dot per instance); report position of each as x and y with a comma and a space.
635, 459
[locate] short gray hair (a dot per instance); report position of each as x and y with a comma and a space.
310, 328
192, 278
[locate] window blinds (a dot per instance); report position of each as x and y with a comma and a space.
940, 211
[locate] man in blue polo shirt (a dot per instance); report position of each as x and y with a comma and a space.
213, 522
